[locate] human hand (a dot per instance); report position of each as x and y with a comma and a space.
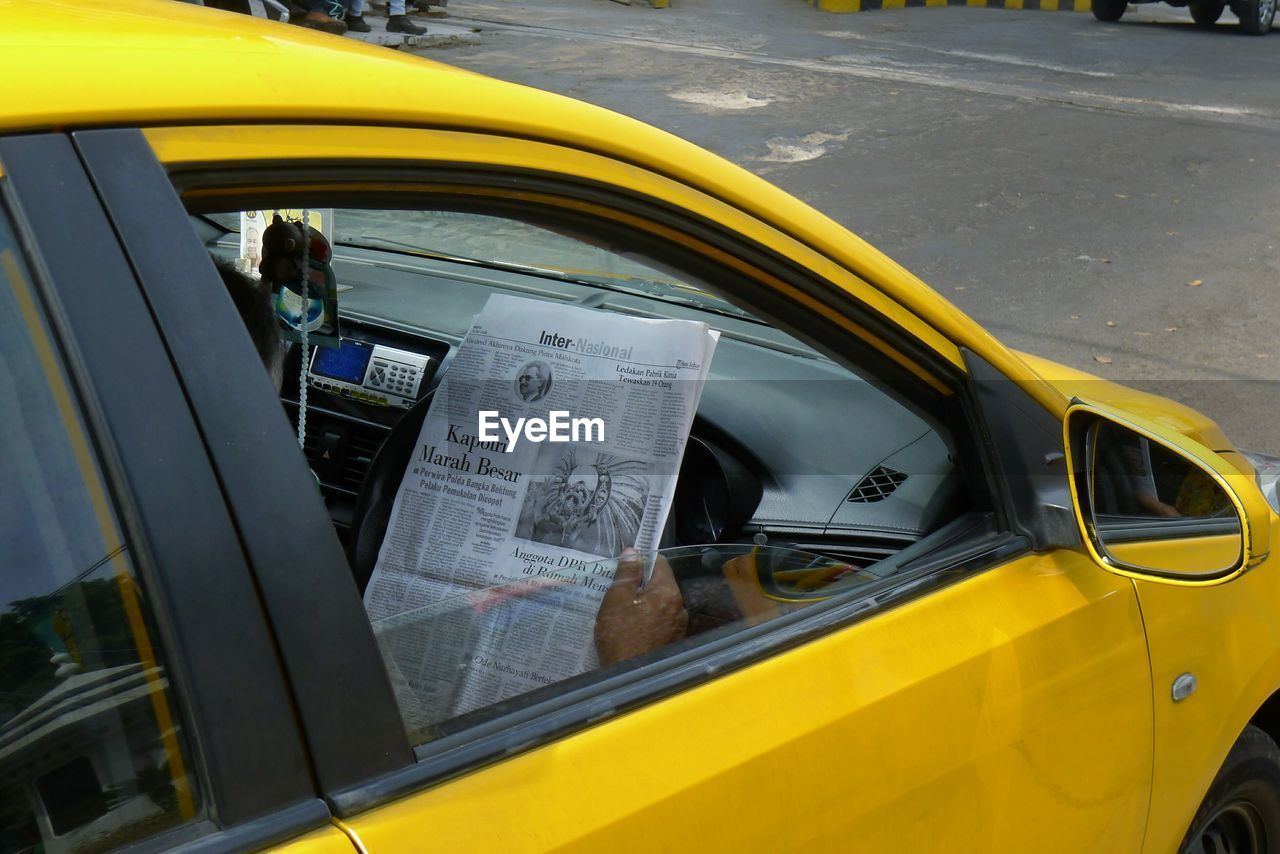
634, 620
1155, 507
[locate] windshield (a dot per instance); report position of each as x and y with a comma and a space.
509, 244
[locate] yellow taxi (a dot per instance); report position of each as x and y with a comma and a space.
923, 593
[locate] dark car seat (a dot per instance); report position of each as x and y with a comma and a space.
378, 494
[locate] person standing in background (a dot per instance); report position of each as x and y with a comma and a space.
326, 16
398, 22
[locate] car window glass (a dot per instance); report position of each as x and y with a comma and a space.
92, 752
800, 481
486, 647
499, 242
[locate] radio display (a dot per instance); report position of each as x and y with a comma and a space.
347, 363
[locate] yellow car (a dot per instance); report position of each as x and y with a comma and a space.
922, 592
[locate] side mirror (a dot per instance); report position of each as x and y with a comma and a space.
1156, 504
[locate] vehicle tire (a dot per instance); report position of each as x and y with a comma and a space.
1256, 16
1110, 10
1241, 813
1206, 12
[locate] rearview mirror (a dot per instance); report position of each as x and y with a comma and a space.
1156, 504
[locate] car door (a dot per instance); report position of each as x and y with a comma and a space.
995, 695
142, 703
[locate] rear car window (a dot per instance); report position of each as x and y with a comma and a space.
92, 751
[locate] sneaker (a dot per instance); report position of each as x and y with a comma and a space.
357, 24
402, 24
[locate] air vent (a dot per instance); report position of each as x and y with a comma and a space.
877, 486
340, 450
360, 453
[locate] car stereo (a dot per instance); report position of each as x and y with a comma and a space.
372, 373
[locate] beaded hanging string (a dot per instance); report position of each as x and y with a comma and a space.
306, 305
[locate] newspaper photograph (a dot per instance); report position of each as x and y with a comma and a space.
552, 444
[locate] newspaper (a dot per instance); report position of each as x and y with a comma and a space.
500, 547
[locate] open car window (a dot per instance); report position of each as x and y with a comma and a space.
503, 244
800, 480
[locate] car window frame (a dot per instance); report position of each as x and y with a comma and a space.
992, 542
247, 758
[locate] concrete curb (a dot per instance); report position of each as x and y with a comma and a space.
868, 5
437, 35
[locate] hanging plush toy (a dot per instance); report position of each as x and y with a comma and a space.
283, 265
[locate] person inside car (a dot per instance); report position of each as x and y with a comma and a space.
253, 301
632, 620
635, 619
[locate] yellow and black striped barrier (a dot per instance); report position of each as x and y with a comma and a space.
866, 5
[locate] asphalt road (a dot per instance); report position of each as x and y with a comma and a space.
1103, 195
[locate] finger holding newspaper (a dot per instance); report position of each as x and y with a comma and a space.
636, 617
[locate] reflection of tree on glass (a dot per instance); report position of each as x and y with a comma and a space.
56, 651
91, 752
534, 381
85, 623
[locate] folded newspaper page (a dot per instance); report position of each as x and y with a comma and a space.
552, 444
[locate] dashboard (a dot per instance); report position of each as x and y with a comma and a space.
371, 373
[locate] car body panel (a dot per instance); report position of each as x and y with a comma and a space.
984, 714
1228, 637
1074, 383
448, 809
